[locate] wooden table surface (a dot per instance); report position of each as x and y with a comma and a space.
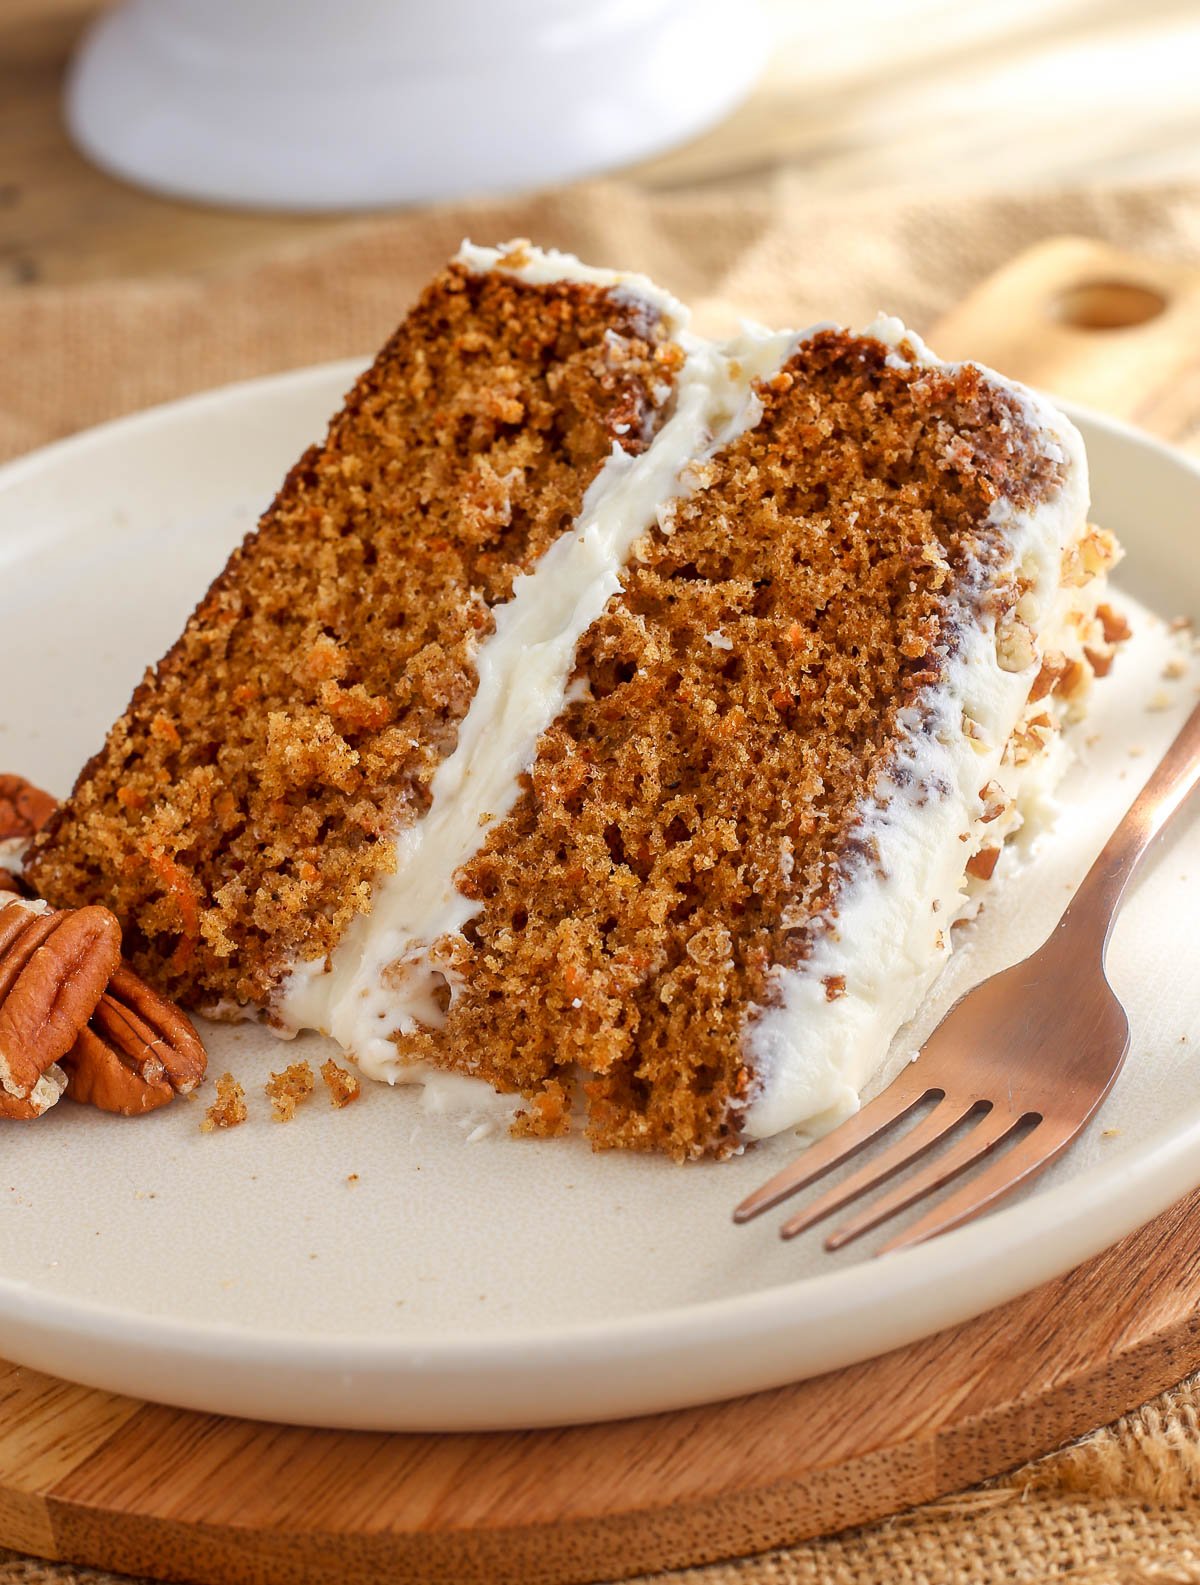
861, 97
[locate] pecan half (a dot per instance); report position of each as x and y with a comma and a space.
24, 808
137, 1052
97, 1075
54, 966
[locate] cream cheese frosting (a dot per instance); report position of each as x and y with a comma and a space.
828, 1022
546, 266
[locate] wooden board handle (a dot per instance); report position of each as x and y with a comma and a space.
1095, 325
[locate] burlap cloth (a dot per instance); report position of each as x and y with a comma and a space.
1124, 1505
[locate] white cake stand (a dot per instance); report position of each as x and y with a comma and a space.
312, 104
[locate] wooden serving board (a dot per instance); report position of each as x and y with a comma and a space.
1091, 323
92, 1478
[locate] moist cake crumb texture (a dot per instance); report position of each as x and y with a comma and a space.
243, 805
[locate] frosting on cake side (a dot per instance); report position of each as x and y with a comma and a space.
977, 761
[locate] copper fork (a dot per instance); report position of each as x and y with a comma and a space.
1032, 1051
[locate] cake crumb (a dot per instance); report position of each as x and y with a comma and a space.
548, 1114
835, 986
286, 1090
343, 1086
1175, 668
1110, 1133
1159, 700
229, 1108
352, 1177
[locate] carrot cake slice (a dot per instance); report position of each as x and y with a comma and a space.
610, 717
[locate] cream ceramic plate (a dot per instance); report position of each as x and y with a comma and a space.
370, 1268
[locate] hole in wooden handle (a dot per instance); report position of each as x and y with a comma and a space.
1107, 305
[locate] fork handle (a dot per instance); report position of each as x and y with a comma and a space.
1176, 775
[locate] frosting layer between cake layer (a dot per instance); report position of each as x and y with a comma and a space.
386, 976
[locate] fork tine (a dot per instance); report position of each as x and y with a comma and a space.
840, 1143
986, 1135
915, 1143
1038, 1149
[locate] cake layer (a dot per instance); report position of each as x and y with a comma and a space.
244, 807
779, 736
